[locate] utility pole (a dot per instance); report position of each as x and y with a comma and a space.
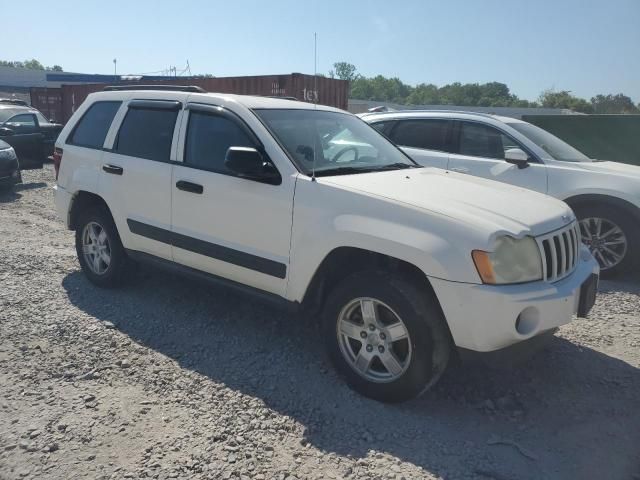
115, 67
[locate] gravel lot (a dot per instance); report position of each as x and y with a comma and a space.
170, 378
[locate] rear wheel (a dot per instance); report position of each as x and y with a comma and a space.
386, 336
100, 251
611, 236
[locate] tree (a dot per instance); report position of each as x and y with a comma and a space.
613, 104
563, 99
32, 64
344, 71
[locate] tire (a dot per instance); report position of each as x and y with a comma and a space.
114, 270
423, 356
609, 216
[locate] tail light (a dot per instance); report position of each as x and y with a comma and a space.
57, 160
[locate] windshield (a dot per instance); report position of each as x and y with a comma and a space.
340, 143
558, 149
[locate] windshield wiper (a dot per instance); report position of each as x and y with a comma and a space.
394, 166
349, 170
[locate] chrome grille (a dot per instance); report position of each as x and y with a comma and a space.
559, 251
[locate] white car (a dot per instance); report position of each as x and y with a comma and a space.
604, 195
404, 263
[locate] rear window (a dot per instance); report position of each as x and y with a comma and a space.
92, 128
147, 133
428, 134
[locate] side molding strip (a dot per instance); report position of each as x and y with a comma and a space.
225, 254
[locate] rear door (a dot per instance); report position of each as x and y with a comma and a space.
50, 132
135, 178
479, 150
427, 141
26, 139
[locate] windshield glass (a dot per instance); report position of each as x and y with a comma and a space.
7, 113
558, 149
340, 143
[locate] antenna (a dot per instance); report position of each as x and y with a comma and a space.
315, 100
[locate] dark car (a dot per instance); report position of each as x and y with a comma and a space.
9, 167
29, 132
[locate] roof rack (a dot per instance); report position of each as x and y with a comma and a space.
431, 110
169, 88
282, 98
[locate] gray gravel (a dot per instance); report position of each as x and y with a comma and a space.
169, 378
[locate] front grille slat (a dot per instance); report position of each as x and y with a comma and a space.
559, 252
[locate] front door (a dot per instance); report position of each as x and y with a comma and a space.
480, 152
232, 227
25, 138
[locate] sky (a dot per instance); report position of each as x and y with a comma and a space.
585, 46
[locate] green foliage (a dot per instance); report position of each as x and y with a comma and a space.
564, 99
613, 104
492, 94
32, 64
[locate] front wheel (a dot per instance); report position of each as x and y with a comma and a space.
611, 236
386, 336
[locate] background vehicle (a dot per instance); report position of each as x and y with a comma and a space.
604, 195
29, 132
399, 263
9, 166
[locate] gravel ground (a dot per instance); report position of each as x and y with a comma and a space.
170, 378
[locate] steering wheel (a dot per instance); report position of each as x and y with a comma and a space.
342, 152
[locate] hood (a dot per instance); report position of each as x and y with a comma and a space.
611, 168
492, 206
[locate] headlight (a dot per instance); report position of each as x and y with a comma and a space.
7, 154
512, 261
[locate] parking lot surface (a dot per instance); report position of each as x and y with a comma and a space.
171, 378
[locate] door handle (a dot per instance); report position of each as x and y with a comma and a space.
189, 186
459, 169
113, 169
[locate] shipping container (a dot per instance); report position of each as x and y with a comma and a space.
49, 102
306, 88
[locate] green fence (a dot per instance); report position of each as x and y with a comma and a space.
605, 137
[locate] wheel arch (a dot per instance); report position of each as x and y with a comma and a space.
343, 261
82, 200
582, 200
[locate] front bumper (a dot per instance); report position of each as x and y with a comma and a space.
63, 201
484, 318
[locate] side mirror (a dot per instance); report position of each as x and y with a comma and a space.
517, 157
250, 164
5, 131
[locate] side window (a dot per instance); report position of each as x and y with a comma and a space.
24, 120
428, 134
209, 136
381, 126
92, 128
479, 140
42, 120
147, 133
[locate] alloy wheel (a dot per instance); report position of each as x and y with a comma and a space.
374, 340
606, 241
96, 248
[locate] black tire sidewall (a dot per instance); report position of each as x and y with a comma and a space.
422, 318
115, 272
626, 223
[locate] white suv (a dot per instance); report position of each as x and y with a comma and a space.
604, 195
313, 208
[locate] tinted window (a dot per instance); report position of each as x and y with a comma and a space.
208, 139
147, 133
92, 128
381, 126
429, 134
479, 140
24, 120
41, 118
